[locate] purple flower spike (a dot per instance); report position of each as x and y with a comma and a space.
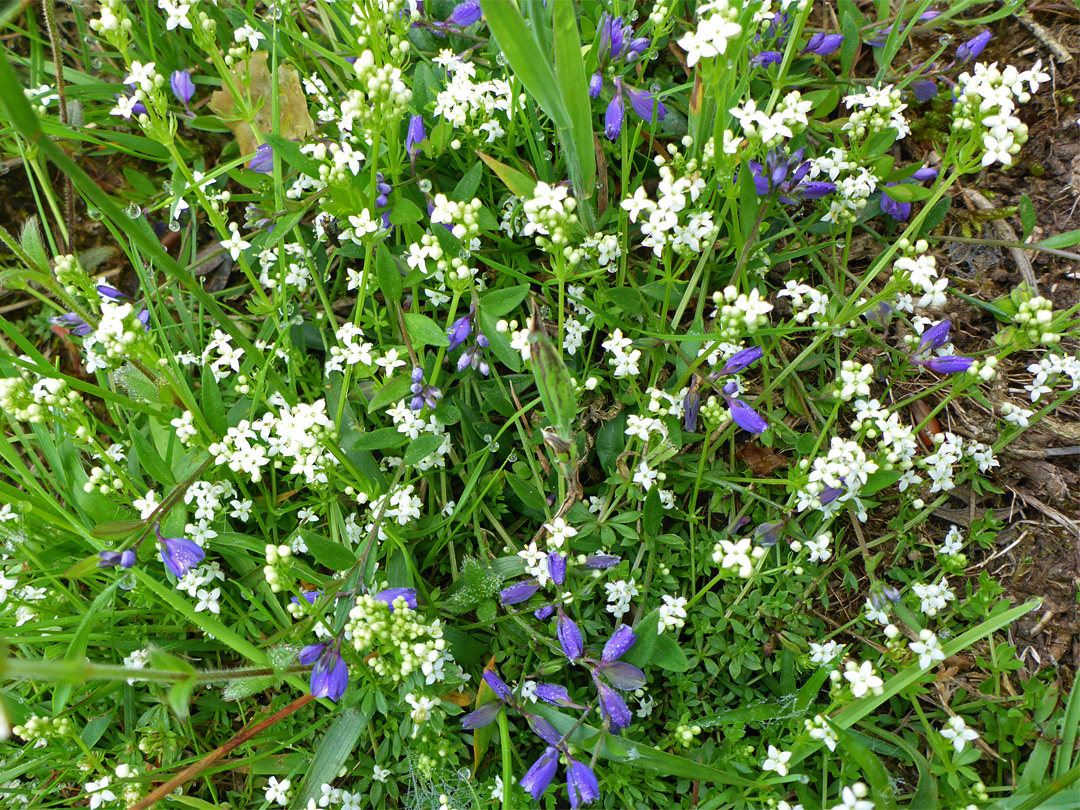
899, 211
823, 44
742, 360
498, 686
182, 86
569, 637
619, 644
459, 332
543, 729
936, 336
925, 173
556, 564
949, 364
924, 89
613, 118
746, 417
973, 47
330, 675
539, 776
263, 162
596, 84
646, 106
766, 58
613, 708
465, 14
483, 716
521, 592
414, 137
390, 595
179, 554
599, 561
581, 784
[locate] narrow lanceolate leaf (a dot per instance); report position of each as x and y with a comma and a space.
554, 383
520, 185
570, 74
530, 66
334, 748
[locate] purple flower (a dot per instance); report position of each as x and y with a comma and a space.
544, 613
182, 86
936, 336
899, 211
646, 107
949, 364
542, 729
308, 596
483, 716
638, 46
422, 394
391, 595
691, 406
179, 554
745, 417
599, 561
924, 89
742, 360
521, 592
766, 58
263, 162
925, 173
569, 637
619, 644
556, 564
581, 784
465, 14
76, 325
613, 708
613, 118
459, 331
498, 686
414, 137
555, 695
973, 47
539, 776
823, 44
622, 675
830, 494
596, 84
109, 559
330, 675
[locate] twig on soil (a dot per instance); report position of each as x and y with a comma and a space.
977, 200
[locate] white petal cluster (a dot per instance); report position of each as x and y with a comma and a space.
986, 101
717, 25
400, 639
33, 398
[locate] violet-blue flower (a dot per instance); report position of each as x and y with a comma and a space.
539, 776
596, 85
581, 784
414, 137
483, 716
924, 89
182, 86
179, 554
823, 44
459, 331
544, 613
569, 637
936, 336
519, 592
619, 644
263, 162
542, 729
391, 595
600, 561
555, 695
613, 118
330, 675
465, 14
766, 58
612, 707
556, 564
742, 360
744, 416
973, 47
646, 106
899, 211
109, 559
948, 364
498, 686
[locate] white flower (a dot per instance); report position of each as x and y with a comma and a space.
380, 774
862, 678
246, 32
735, 557
235, 244
824, 653
672, 613
854, 798
278, 791
559, 532
776, 761
712, 34
421, 710
957, 732
99, 792
208, 600
928, 648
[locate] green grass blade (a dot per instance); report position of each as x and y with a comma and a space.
334, 748
570, 73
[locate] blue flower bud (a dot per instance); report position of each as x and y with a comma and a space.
581, 784
465, 14
182, 86
613, 118
596, 84
459, 332
539, 776
742, 360
823, 44
569, 637
263, 162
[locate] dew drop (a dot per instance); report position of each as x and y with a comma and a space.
133, 211
464, 255
95, 64
94, 214
547, 154
424, 185
500, 58
174, 225
654, 89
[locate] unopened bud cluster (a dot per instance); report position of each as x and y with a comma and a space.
1036, 316
27, 401
116, 337
550, 217
401, 641
383, 95
739, 314
278, 560
39, 730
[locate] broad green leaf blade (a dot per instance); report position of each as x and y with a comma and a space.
520, 185
334, 748
570, 74
531, 67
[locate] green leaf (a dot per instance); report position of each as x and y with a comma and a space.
381, 439
117, 529
397, 388
502, 302
554, 384
212, 406
669, 655
907, 193
879, 481
870, 767
879, 143
421, 447
1027, 216
77, 647
499, 343
1062, 240
290, 153
326, 552
530, 495
652, 513
404, 212
570, 74
332, 752
641, 654
424, 331
520, 185
466, 187
531, 67
386, 270
849, 27
936, 215
150, 461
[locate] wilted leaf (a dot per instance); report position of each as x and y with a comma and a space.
761, 460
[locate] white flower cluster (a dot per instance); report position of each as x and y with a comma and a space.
672, 614
1015, 415
428, 256
664, 404
1035, 316
862, 678
739, 314
116, 337
785, 123
928, 648
477, 109
294, 271
807, 301
1047, 372
717, 25
113, 21
177, 15
737, 558
604, 249
298, 435
100, 794
619, 595
39, 730
403, 642
854, 184
824, 653
670, 221
401, 505
221, 357
211, 500
383, 96
939, 464
818, 729
623, 359
876, 110
957, 732
460, 217
28, 400
854, 380
920, 271
353, 349
986, 101
413, 424
934, 597
550, 217
845, 467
